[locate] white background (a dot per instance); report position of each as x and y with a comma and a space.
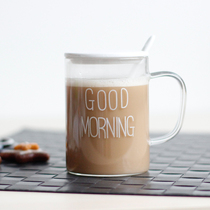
34, 35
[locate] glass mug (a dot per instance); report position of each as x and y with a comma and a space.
107, 123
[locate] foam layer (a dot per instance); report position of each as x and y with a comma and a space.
108, 82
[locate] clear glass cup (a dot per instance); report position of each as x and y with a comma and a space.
107, 113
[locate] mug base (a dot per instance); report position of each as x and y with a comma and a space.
104, 175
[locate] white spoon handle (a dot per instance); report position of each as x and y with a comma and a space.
148, 43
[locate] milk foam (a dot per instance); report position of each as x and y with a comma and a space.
122, 82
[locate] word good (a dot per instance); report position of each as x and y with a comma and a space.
105, 97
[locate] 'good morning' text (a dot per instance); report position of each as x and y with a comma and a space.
109, 126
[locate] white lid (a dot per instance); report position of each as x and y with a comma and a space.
90, 58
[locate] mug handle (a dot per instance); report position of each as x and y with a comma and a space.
175, 131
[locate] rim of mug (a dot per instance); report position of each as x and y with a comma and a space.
121, 55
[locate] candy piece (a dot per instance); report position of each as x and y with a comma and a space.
8, 155
26, 146
22, 146
34, 146
19, 156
